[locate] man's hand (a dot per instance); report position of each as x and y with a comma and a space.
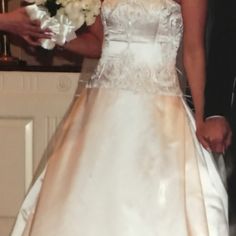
215, 134
18, 22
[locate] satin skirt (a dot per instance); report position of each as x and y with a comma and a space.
126, 164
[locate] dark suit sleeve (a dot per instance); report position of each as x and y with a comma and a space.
220, 70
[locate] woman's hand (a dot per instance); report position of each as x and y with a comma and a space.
18, 22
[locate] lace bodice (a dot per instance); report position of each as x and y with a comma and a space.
141, 39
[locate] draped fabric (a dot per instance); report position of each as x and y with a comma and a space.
127, 161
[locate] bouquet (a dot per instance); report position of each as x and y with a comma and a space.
63, 17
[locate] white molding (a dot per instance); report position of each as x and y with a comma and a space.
28, 154
38, 82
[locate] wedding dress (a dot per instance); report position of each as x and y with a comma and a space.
127, 161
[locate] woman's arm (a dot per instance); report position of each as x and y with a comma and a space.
18, 22
194, 17
88, 43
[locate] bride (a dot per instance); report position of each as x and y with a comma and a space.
127, 161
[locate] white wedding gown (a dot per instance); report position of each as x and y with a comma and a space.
127, 161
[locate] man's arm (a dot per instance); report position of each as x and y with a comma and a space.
220, 74
220, 78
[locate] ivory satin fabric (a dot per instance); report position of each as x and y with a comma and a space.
127, 161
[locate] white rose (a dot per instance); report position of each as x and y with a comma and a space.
61, 11
79, 20
63, 2
72, 9
86, 4
37, 2
90, 18
74, 12
80, 11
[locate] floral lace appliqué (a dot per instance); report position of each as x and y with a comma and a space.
140, 46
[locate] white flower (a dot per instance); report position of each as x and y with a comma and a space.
90, 18
81, 11
70, 16
64, 2
74, 12
61, 11
37, 2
